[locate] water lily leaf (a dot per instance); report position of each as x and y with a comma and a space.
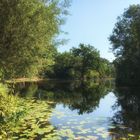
131, 135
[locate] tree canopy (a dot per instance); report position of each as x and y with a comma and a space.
125, 41
27, 31
82, 62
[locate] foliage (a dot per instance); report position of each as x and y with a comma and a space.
30, 123
7, 102
64, 64
87, 58
83, 62
10, 110
28, 30
106, 69
126, 46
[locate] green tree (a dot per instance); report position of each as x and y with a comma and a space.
64, 64
83, 63
106, 69
87, 58
27, 31
126, 46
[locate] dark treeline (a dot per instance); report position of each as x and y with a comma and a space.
126, 47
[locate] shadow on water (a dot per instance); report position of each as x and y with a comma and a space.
77, 110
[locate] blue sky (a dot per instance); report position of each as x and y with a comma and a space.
91, 22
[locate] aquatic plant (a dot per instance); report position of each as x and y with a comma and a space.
10, 110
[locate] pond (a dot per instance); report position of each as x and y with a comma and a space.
74, 110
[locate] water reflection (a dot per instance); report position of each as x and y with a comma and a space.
127, 120
78, 110
81, 96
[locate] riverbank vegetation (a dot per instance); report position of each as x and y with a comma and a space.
21, 117
28, 44
29, 29
28, 35
82, 62
40, 99
11, 110
126, 47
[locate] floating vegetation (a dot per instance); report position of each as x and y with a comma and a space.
54, 118
38, 124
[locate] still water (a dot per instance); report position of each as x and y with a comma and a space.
78, 111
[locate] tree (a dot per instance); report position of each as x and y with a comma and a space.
88, 58
27, 32
83, 63
126, 46
64, 63
106, 69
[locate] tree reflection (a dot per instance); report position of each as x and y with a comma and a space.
83, 96
127, 118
